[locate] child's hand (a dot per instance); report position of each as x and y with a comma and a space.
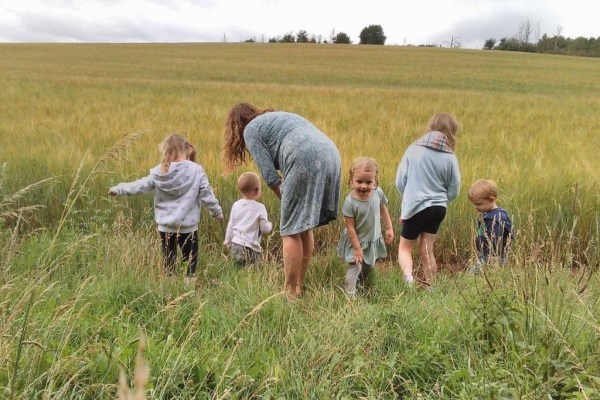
111, 192
226, 243
389, 236
358, 256
219, 218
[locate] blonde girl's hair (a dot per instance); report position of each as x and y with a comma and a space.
234, 147
190, 152
446, 124
171, 147
483, 189
248, 182
366, 164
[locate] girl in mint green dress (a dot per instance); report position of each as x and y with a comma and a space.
362, 242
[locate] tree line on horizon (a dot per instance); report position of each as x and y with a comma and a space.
557, 44
372, 34
528, 39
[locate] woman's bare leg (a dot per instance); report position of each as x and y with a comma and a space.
308, 245
292, 263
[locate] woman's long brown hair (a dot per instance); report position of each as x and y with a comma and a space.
234, 146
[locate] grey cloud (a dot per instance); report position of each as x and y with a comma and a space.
70, 28
69, 21
496, 24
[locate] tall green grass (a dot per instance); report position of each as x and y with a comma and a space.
81, 279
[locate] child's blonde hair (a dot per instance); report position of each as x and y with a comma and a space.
483, 189
366, 164
190, 152
248, 182
446, 124
172, 147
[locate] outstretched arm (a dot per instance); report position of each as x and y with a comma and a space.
140, 186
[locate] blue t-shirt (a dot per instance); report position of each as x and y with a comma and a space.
494, 231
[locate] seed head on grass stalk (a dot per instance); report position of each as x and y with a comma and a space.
8, 203
141, 376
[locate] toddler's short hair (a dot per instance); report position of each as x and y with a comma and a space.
248, 182
483, 189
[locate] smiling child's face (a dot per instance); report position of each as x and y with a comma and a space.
363, 183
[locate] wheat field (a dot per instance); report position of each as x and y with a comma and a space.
81, 277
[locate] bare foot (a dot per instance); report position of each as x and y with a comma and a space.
291, 297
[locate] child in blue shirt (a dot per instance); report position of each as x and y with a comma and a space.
494, 227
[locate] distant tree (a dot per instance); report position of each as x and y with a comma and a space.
372, 34
342, 38
489, 44
273, 40
302, 36
537, 31
251, 40
509, 44
332, 36
559, 29
524, 33
288, 38
454, 43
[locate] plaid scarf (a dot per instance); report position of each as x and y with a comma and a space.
435, 140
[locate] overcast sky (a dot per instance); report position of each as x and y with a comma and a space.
403, 22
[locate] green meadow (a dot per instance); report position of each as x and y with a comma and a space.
81, 286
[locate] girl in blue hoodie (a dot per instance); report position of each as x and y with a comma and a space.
428, 178
180, 186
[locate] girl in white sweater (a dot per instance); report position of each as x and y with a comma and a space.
248, 222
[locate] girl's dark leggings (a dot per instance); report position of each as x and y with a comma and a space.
187, 242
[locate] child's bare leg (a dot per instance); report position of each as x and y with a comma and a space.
352, 278
427, 258
308, 245
405, 258
292, 263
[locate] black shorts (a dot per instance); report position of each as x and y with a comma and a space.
427, 220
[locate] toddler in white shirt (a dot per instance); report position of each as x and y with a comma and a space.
248, 220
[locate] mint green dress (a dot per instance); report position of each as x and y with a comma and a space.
367, 221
